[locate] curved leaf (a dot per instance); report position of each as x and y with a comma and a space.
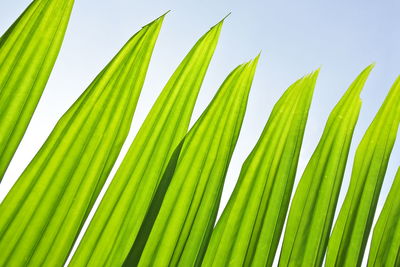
117, 221
249, 228
183, 225
44, 211
28, 51
385, 245
314, 203
350, 234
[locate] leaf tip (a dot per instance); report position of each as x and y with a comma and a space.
227, 15
163, 15
369, 68
157, 20
372, 65
221, 21
257, 57
316, 72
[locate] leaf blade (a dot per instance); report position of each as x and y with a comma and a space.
350, 233
53, 196
28, 51
313, 206
385, 242
235, 237
116, 223
179, 234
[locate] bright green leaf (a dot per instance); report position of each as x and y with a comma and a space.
117, 221
187, 214
250, 226
350, 233
42, 214
385, 245
28, 51
313, 206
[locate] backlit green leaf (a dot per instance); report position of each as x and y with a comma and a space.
117, 221
313, 206
28, 51
385, 245
250, 226
44, 211
350, 233
187, 214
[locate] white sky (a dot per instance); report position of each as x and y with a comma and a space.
295, 37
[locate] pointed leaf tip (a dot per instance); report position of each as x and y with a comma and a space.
315, 73
163, 15
252, 61
312, 75
157, 20
372, 65
219, 24
369, 68
227, 15
367, 71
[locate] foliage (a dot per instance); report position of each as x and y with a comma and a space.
116, 224
53, 196
28, 51
350, 233
386, 238
313, 206
161, 206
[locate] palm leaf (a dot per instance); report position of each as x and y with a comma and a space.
187, 214
117, 221
44, 211
28, 51
385, 245
313, 206
347, 243
272, 163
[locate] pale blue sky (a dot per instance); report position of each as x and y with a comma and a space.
295, 37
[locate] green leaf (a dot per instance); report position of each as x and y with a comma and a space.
116, 223
313, 206
28, 51
183, 225
250, 226
385, 245
347, 243
42, 214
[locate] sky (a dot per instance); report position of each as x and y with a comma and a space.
295, 37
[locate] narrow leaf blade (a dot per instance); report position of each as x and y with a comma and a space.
314, 203
245, 235
28, 51
350, 233
385, 244
187, 214
116, 223
44, 211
